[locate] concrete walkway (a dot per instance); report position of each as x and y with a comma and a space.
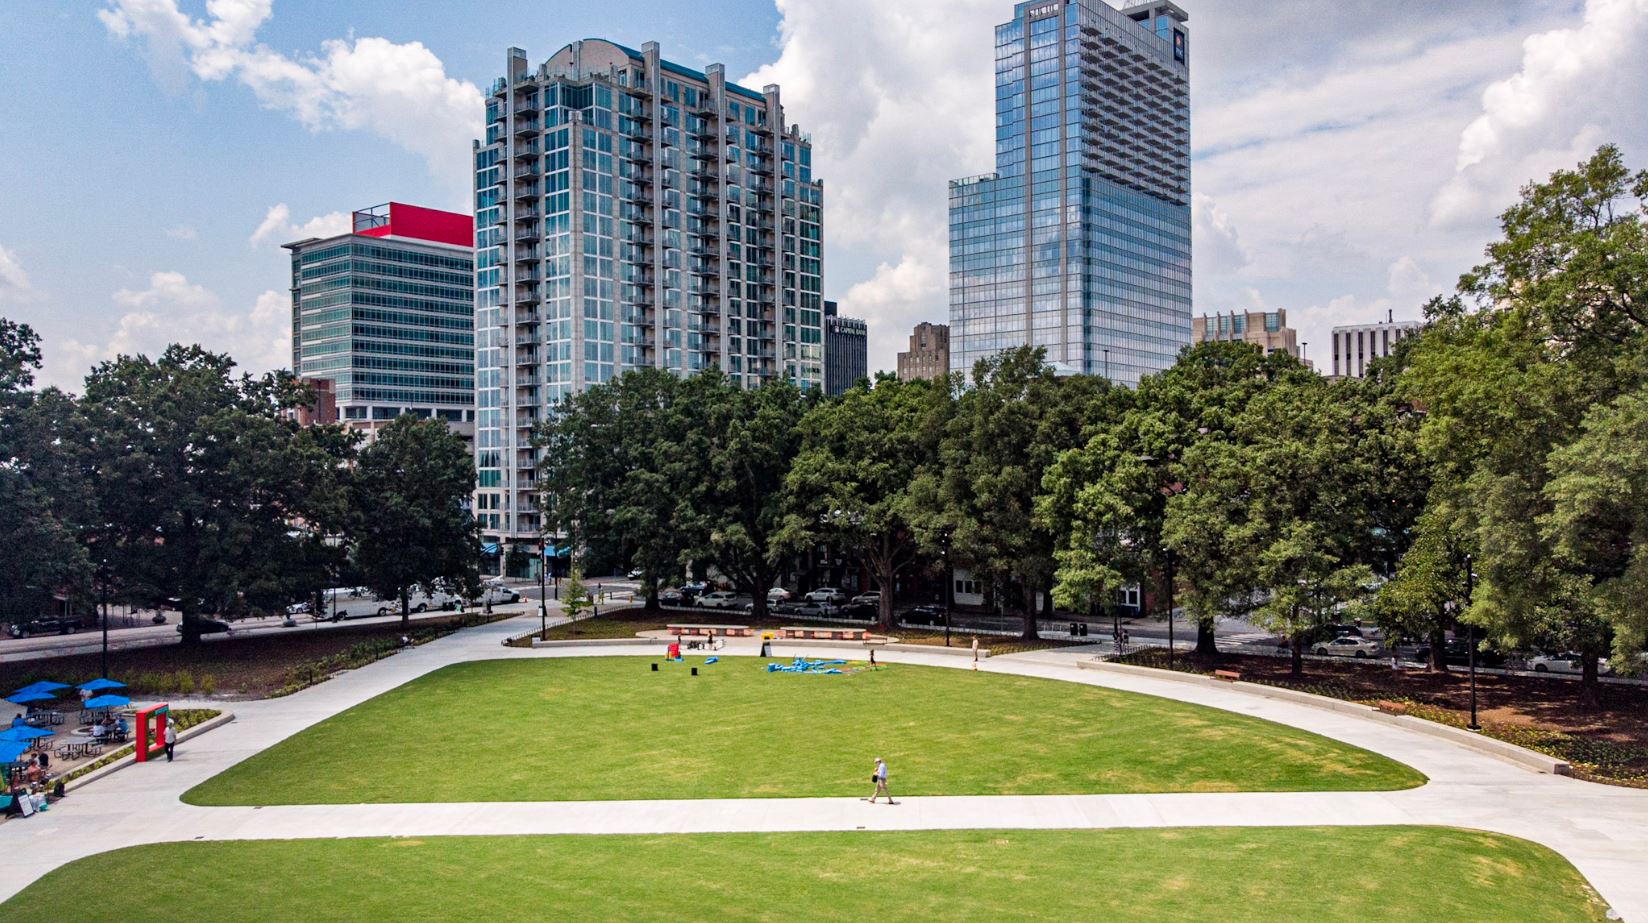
1603, 830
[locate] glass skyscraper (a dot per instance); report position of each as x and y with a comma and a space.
631, 213
1080, 241
386, 313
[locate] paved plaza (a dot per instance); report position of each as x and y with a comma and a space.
1602, 830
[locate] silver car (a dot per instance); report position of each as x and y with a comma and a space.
1348, 646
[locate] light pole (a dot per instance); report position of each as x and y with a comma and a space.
103, 592
543, 590
1470, 586
1107, 365
1171, 646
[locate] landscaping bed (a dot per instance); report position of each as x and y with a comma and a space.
256, 666
1603, 745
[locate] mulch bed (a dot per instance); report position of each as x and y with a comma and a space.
1608, 744
253, 666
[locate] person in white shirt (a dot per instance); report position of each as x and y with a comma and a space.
879, 777
171, 740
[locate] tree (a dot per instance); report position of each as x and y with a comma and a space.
200, 480
1564, 328
746, 440
411, 487
43, 488
575, 597
857, 478
1423, 600
1597, 522
1006, 432
611, 468
1306, 585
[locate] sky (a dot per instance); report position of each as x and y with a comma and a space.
1350, 157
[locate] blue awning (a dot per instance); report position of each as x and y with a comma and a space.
489, 548
557, 551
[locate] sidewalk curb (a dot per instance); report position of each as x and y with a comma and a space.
131, 758
1522, 756
601, 642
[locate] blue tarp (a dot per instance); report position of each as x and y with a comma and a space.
108, 701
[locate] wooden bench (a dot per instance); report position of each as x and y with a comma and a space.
1230, 676
826, 634
711, 631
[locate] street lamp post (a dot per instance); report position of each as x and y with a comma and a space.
543, 590
1470, 585
1171, 646
103, 592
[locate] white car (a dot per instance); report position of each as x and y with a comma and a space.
722, 599
778, 595
1564, 663
828, 594
872, 598
1348, 646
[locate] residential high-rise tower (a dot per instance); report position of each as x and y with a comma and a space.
631, 213
1079, 242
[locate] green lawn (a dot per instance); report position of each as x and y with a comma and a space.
1232, 875
607, 728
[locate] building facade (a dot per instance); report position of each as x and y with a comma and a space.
386, 315
631, 213
1079, 242
1267, 330
1356, 345
928, 355
846, 351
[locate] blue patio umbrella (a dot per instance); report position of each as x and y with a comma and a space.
44, 685
23, 698
11, 750
24, 733
101, 683
108, 701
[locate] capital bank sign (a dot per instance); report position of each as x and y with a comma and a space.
1043, 11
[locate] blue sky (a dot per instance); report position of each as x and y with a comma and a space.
1349, 156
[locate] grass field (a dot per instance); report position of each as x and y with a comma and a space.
1233, 875
594, 728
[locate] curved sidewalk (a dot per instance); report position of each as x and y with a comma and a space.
1603, 830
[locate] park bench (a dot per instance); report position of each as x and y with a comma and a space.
711, 631
1230, 676
827, 634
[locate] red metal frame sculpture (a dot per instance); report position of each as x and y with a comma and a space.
161, 714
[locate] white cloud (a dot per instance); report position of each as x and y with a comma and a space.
1576, 87
173, 309
1218, 247
400, 92
15, 284
277, 226
897, 98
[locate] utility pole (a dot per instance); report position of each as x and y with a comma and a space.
1470, 586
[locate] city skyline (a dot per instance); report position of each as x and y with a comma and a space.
212, 115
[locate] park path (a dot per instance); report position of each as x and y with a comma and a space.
1603, 830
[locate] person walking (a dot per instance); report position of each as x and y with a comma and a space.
171, 740
975, 655
879, 777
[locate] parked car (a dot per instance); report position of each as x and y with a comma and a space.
858, 610
1566, 662
45, 626
872, 598
693, 590
671, 596
777, 595
925, 615
722, 599
828, 594
1348, 646
810, 609
210, 627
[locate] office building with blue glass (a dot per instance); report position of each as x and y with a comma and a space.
1079, 242
631, 213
